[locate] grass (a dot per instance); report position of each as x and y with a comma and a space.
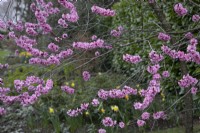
178, 130
3, 54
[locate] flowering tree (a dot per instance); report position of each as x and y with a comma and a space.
26, 36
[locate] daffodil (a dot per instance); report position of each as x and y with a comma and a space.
163, 96
163, 99
102, 110
115, 108
87, 113
139, 91
127, 97
72, 84
51, 110
66, 83
26, 54
117, 87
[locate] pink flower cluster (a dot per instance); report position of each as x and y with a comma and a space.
159, 115
194, 90
2, 24
149, 94
71, 17
36, 88
53, 47
163, 37
2, 111
86, 75
101, 131
116, 93
195, 18
152, 90
180, 10
118, 32
192, 54
53, 59
121, 124
42, 12
67, 89
1, 37
165, 74
1, 81
94, 37
109, 122
4, 90
189, 35
132, 58
99, 43
4, 66
18, 26
26, 43
76, 112
187, 81
153, 69
155, 58
95, 102
145, 116
102, 11
141, 123
97, 53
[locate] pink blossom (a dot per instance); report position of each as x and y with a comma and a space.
86, 75
94, 37
159, 115
132, 59
165, 74
145, 116
194, 90
2, 111
67, 89
101, 131
180, 10
154, 57
102, 11
163, 37
95, 102
141, 123
187, 81
108, 122
121, 124
189, 35
195, 18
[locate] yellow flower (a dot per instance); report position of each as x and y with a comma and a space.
72, 84
102, 110
115, 108
138, 85
87, 113
51, 110
26, 54
127, 97
117, 87
163, 96
139, 91
66, 83
163, 99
